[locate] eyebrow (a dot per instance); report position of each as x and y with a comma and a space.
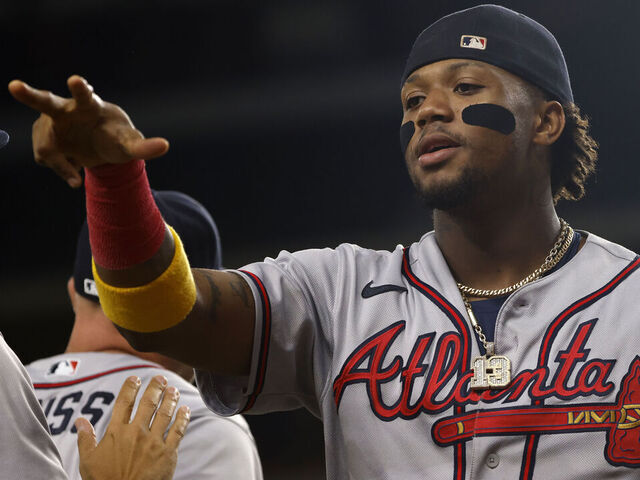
450, 68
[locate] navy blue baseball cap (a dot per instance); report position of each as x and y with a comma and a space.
190, 220
501, 37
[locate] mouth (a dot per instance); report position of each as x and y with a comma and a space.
436, 148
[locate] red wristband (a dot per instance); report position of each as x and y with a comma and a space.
125, 225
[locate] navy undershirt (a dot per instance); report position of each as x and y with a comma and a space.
486, 311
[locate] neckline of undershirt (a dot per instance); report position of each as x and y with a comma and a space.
486, 311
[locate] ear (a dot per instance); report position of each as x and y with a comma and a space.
549, 123
71, 291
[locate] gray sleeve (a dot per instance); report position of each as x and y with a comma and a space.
294, 296
216, 448
27, 451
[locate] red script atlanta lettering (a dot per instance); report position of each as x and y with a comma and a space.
575, 375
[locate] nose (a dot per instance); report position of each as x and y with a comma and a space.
435, 107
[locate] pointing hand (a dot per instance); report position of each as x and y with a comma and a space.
82, 131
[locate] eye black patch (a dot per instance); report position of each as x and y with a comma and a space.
406, 132
490, 116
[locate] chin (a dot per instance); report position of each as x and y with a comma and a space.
439, 191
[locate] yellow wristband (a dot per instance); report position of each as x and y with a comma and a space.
158, 305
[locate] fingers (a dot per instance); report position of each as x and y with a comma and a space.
147, 148
124, 403
86, 437
150, 400
165, 412
65, 169
82, 92
47, 154
41, 100
178, 428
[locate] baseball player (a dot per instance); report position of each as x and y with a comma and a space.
500, 345
85, 379
27, 450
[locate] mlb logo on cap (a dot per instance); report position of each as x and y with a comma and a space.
90, 287
473, 41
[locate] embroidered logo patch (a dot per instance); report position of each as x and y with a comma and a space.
63, 368
90, 287
473, 41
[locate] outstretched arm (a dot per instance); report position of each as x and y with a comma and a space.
132, 251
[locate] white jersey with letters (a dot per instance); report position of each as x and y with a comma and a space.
378, 345
26, 449
86, 384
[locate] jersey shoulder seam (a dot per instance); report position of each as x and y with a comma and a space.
311, 306
606, 248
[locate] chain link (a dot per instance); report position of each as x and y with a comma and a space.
556, 254
474, 323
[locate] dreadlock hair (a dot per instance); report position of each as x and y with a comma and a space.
573, 156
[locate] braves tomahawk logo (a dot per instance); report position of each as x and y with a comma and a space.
576, 375
620, 420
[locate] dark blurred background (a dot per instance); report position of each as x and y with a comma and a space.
283, 119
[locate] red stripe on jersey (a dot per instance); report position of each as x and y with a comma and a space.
526, 472
451, 311
528, 461
91, 377
460, 465
264, 347
461, 324
544, 351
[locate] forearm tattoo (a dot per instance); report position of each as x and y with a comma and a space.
239, 290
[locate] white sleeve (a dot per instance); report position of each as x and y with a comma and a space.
293, 340
27, 451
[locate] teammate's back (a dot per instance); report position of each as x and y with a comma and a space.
86, 378
86, 384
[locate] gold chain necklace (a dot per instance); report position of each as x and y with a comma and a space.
491, 370
556, 253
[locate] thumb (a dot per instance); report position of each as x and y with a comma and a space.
147, 148
86, 437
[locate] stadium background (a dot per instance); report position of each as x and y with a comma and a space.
283, 119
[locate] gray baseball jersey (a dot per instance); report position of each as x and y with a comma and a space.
378, 345
26, 449
86, 384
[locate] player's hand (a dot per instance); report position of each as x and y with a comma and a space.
82, 130
136, 450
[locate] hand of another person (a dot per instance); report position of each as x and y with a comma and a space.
82, 131
137, 449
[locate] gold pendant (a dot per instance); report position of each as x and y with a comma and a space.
491, 372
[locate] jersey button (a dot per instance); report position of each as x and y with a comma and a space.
493, 460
